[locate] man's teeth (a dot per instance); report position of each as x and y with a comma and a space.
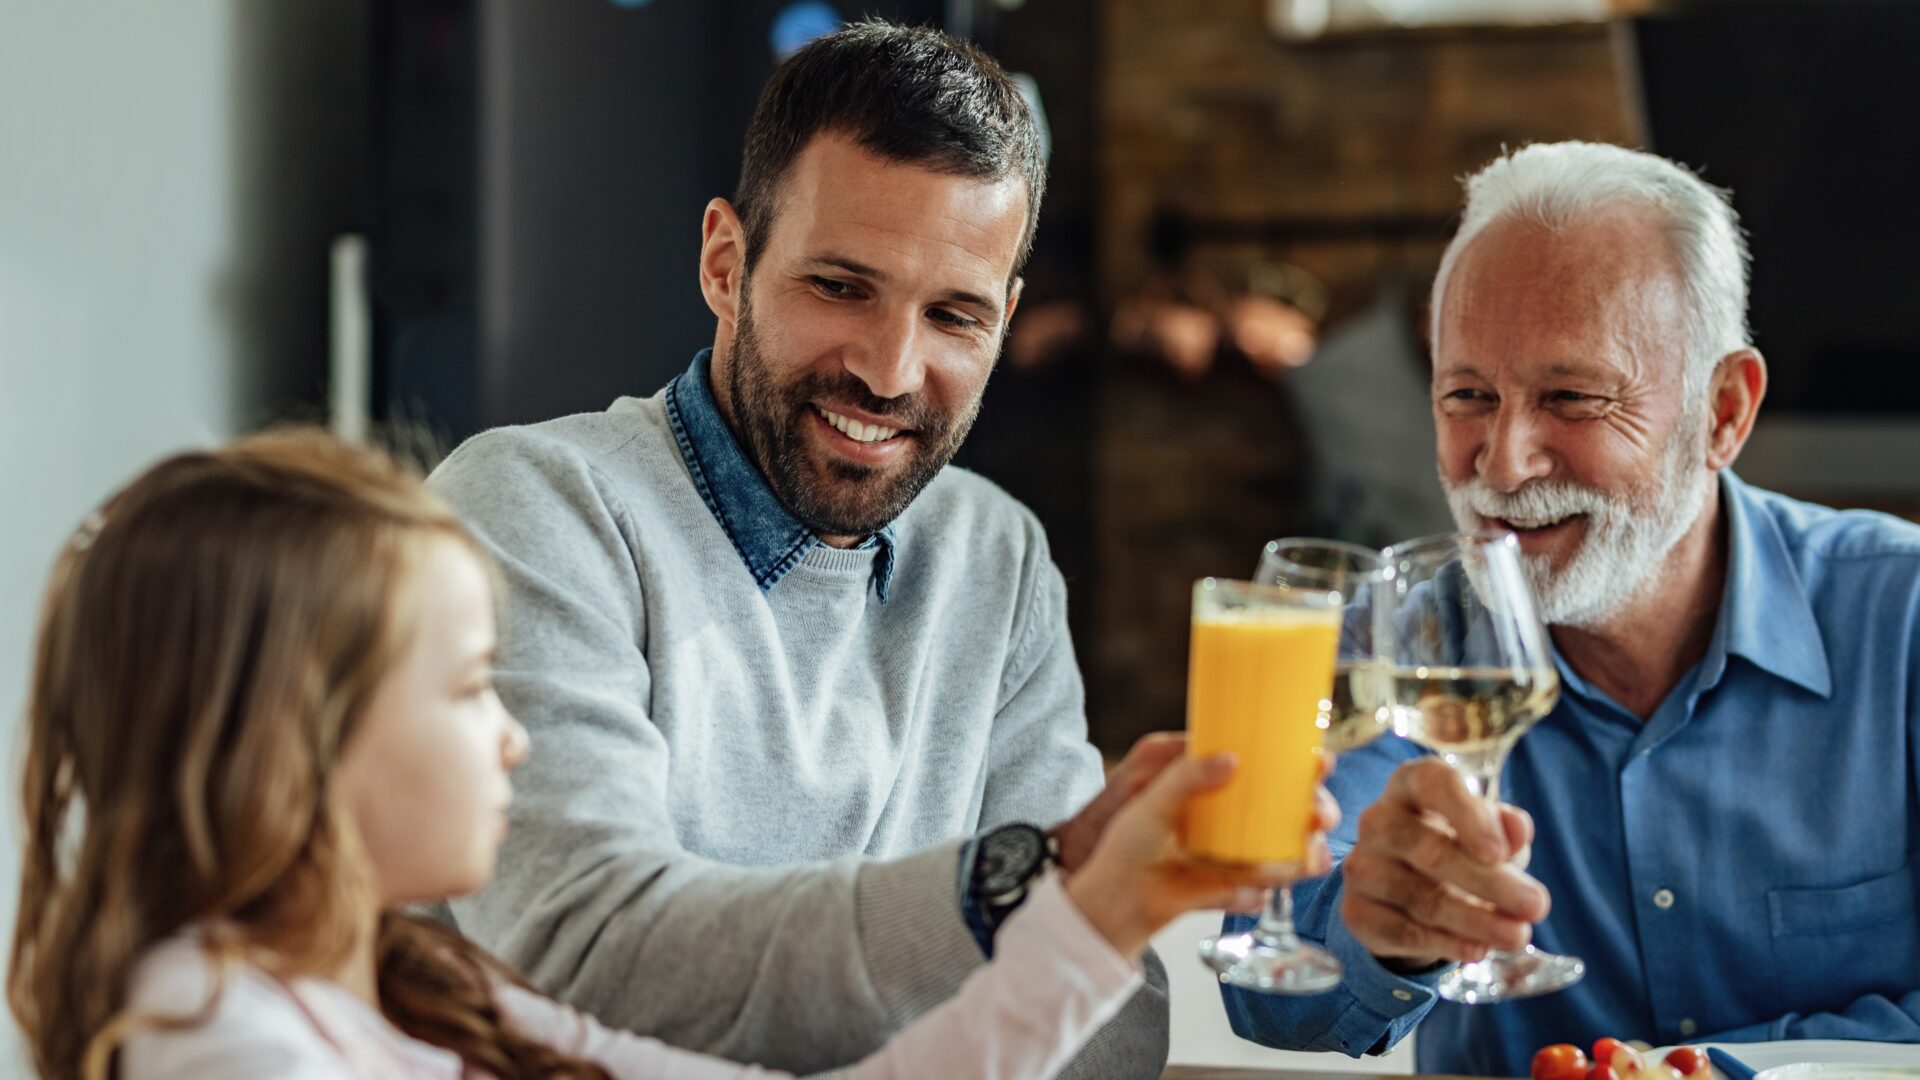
1534, 523
857, 431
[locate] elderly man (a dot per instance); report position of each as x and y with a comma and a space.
1726, 793
798, 693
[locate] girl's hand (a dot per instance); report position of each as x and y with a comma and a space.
1138, 879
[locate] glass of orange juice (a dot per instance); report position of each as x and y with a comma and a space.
1260, 683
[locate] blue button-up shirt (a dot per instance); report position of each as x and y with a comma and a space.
1739, 867
766, 534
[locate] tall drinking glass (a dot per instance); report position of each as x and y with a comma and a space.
1262, 684
1472, 671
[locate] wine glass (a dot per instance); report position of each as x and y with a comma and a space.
1359, 710
1347, 710
1472, 670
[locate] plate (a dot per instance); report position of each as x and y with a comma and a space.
1817, 1059
1834, 1071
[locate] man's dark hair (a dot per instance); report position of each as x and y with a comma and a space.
910, 94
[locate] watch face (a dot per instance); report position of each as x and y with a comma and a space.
1009, 858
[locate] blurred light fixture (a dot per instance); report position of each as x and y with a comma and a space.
1298, 20
1304, 20
800, 23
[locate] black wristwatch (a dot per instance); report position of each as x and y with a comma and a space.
1001, 866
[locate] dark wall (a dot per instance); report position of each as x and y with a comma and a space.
539, 173
604, 131
299, 109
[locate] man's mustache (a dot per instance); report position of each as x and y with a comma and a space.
1542, 499
911, 412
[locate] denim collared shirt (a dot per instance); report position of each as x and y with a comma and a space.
1739, 867
770, 540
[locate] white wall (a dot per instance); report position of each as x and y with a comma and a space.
143, 306
114, 236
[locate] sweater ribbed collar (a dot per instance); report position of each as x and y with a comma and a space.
766, 534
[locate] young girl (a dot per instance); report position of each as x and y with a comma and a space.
261, 723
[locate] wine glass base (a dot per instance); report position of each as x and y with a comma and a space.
1239, 960
1510, 976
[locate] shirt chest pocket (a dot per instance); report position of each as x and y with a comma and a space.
1833, 945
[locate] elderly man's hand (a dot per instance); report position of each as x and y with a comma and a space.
1432, 875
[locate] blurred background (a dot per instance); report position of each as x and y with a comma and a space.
452, 214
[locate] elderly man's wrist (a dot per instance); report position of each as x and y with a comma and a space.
1408, 967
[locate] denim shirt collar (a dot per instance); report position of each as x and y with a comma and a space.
1765, 615
766, 534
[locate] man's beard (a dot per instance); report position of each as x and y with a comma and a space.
1626, 539
834, 497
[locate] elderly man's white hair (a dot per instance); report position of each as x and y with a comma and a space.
1560, 184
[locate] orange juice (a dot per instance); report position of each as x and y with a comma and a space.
1254, 686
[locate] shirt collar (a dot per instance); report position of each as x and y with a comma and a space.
1765, 615
766, 534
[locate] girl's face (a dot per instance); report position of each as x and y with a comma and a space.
425, 774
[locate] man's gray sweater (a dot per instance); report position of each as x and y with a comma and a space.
739, 827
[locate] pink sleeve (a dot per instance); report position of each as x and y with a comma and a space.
625, 1055
1053, 981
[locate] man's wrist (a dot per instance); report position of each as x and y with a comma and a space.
970, 912
997, 869
1063, 841
1409, 967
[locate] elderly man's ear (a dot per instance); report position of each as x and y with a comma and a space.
1739, 384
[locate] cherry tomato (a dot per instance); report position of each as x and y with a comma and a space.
1687, 1060
1601, 1072
1562, 1061
1604, 1049
1624, 1060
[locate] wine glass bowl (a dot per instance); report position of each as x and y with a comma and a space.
1472, 670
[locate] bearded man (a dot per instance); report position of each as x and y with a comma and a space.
793, 685
1727, 794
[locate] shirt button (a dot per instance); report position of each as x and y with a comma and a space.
1688, 1027
1407, 995
1663, 899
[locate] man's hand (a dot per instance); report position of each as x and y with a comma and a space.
1151, 754
1431, 877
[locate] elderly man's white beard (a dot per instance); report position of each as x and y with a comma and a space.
1627, 537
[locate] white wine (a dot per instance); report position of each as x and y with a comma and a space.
1459, 711
1360, 707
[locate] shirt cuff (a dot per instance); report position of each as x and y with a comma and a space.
970, 912
1381, 999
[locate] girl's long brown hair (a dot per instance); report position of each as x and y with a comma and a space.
208, 642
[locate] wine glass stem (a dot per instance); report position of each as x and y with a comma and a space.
1482, 777
1276, 921
1481, 774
